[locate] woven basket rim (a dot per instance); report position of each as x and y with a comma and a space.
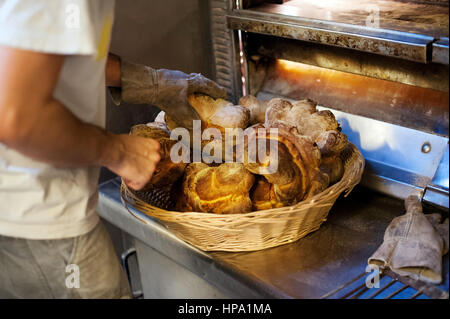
254, 230
344, 185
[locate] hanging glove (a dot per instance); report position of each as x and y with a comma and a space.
166, 89
414, 244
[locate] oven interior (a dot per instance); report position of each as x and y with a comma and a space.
380, 66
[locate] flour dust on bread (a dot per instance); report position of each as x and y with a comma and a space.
256, 107
320, 126
218, 114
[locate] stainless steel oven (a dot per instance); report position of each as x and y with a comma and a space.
380, 66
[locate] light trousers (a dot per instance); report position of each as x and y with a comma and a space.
81, 267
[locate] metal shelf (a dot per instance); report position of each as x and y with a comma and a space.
440, 51
346, 29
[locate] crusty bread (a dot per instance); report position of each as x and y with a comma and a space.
297, 175
257, 108
205, 105
302, 115
277, 111
166, 172
262, 195
331, 143
222, 189
219, 113
333, 167
309, 143
230, 116
320, 126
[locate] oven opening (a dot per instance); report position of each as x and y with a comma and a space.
392, 120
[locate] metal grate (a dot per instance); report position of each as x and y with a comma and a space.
391, 286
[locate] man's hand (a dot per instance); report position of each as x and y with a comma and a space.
35, 124
166, 89
137, 159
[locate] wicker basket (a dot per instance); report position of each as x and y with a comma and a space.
251, 231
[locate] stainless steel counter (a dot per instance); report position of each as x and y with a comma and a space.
308, 268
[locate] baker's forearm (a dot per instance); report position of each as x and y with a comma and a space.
112, 71
33, 123
54, 135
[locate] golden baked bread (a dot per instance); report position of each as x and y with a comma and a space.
302, 115
171, 125
309, 143
218, 112
331, 144
257, 108
222, 189
262, 195
278, 111
166, 172
333, 167
320, 126
205, 105
297, 175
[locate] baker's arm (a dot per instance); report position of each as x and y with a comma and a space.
35, 124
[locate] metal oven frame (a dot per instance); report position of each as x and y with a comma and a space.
404, 57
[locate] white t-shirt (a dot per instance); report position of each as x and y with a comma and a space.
37, 200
